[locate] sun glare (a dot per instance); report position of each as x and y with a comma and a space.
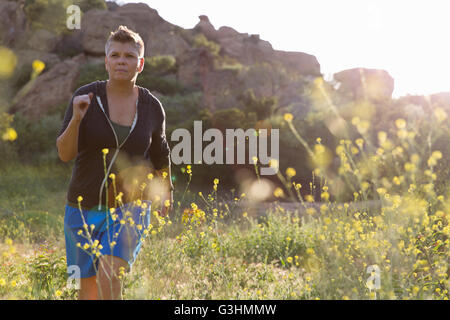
407, 39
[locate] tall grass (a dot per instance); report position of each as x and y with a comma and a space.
212, 249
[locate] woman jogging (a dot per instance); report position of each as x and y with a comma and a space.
115, 130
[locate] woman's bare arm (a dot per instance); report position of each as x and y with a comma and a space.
67, 142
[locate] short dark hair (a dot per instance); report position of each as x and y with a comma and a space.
123, 34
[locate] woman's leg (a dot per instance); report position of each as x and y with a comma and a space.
109, 284
88, 289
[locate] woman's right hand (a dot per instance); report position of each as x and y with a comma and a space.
80, 105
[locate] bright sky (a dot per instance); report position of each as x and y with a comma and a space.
410, 39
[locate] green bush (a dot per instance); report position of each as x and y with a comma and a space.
91, 72
47, 272
263, 107
185, 34
229, 118
160, 65
182, 109
227, 63
275, 238
86, 5
167, 85
51, 15
158, 75
200, 41
36, 142
21, 76
47, 14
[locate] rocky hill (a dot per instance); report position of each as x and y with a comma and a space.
220, 63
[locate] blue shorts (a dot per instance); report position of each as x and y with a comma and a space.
112, 234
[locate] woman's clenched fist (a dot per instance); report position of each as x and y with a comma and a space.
80, 105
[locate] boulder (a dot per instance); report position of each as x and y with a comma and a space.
292, 97
257, 50
165, 44
49, 90
227, 32
96, 26
232, 47
194, 65
205, 27
441, 99
26, 57
112, 6
150, 26
303, 63
260, 77
220, 88
12, 22
70, 44
361, 83
42, 40
246, 49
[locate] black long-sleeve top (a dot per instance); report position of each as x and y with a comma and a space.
146, 143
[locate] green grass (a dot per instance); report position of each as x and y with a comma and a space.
32, 202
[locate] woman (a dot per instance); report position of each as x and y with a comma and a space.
113, 129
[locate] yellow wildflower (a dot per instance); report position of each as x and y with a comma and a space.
278, 192
288, 117
9, 135
38, 66
400, 123
290, 172
440, 114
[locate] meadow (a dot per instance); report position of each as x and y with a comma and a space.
209, 248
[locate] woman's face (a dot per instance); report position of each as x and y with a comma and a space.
122, 61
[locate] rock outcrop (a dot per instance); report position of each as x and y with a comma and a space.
96, 26
48, 91
196, 66
12, 22
205, 27
361, 83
